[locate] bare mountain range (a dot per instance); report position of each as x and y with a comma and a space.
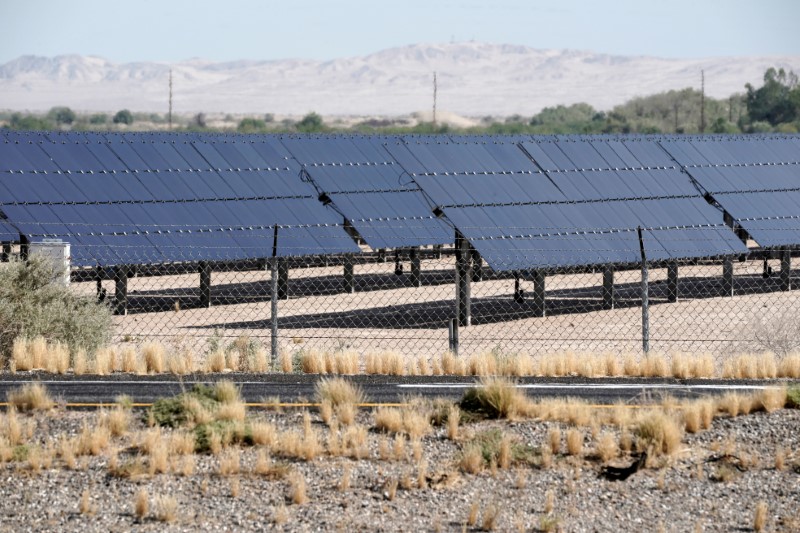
474, 79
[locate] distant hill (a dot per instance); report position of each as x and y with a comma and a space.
475, 79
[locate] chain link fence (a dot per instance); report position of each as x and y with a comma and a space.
425, 301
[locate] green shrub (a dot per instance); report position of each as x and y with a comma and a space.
33, 305
123, 117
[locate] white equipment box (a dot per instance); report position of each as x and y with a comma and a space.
58, 253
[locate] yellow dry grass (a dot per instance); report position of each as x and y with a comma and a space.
31, 397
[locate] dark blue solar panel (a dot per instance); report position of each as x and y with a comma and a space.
372, 191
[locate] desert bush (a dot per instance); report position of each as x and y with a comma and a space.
33, 305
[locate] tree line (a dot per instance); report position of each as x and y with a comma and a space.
774, 106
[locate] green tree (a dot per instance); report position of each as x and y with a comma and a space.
98, 118
123, 117
251, 125
29, 122
777, 101
310, 123
61, 115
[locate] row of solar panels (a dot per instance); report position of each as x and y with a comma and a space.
522, 201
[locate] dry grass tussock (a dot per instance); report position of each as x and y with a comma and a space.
341, 362
409, 421
31, 397
387, 363
658, 432
751, 366
39, 354
166, 508
496, 398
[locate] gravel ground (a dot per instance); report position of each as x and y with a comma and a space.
682, 493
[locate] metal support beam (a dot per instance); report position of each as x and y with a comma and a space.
786, 270
283, 279
398, 264
416, 267
205, 283
539, 301
121, 290
608, 288
672, 281
727, 277
463, 282
477, 266
519, 294
349, 277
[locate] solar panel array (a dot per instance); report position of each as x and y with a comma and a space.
755, 179
572, 202
522, 201
370, 189
150, 198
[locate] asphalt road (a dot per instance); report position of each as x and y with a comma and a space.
378, 389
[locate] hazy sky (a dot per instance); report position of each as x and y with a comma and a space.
171, 30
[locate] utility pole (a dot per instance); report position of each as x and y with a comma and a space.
169, 116
730, 109
675, 106
702, 101
434, 98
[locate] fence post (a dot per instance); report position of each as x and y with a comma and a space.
463, 281
645, 296
274, 300
452, 330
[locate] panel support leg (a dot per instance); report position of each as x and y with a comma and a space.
437, 251
463, 282
381, 255
283, 279
121, 290
349, 278
672, 281
5, 256
727, 277
539, 302
398, 264
477, 266
519, 294
786, 270
416, 268
608, 288
205, 284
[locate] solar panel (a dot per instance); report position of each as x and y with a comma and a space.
369, 189
754, 179
141, 198
566, 202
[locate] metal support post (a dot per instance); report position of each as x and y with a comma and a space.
274, 311
349, 278
416, 268
727, 277
5, 256
463, 282
539, 301
786, 270
672, 281
121, 290
437, 251
452, 330
477, 266
283, 279
398, 264
205, 284
645, 296
608, 288
519, 293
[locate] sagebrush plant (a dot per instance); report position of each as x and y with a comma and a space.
33, 305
